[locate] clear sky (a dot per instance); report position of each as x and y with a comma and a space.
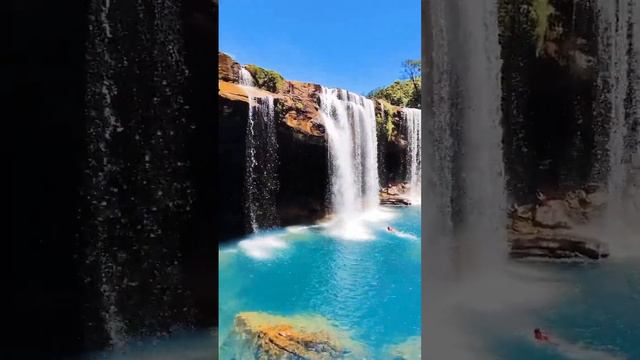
356, 45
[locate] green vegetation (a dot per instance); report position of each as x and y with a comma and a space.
386, 124
542, 10
405, 92
400, 93
266, 79
389, 127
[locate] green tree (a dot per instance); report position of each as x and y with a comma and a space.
411, 70
405, 92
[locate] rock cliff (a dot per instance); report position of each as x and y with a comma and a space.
302, 147
549, 50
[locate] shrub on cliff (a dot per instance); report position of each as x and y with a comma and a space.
266, 79
400, 93
385, 123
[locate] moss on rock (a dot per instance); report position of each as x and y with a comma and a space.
542, 11
266, 79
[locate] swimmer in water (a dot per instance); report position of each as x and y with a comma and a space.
540, 336
390, 229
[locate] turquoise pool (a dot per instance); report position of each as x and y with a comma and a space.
369, 287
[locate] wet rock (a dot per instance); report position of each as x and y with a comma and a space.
553, 228
395, 195
261, 336
556, 246
552, 214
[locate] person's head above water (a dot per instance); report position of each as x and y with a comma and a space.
539, 335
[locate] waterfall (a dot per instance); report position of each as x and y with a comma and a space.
465, 246
136, 189
261, 171
464, 169
245, 77
414, 165
482, 177
350, 125
438, 129
618, 92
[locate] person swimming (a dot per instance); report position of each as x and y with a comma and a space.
539, 335
390, 229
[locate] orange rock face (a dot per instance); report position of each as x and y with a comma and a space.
297, 103
265, 337
228, 69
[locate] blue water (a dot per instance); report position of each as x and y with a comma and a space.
187, 345
369, 288
597, 317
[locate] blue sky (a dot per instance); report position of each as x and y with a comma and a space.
356, 45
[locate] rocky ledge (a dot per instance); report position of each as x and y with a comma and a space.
557, 247
297, 103
395, 195
554, 227
263, 336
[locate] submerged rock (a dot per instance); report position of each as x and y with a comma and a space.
261, 336
407, 350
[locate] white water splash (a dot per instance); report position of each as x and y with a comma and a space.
262, 247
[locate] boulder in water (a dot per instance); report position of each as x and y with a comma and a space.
262, 336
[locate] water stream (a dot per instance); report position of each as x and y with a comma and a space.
261, 166
618, 92
414, 139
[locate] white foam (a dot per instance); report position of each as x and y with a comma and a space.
359, 227
580, 352
378, 214
405, 235
262, 247
354, 230
297, 229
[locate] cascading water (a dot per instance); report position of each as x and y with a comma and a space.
438, 136
414, 138
619, 89
261, 172
261, 166
245, 77
136, 187
482, 176
464, 184
464, 176
350, 125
